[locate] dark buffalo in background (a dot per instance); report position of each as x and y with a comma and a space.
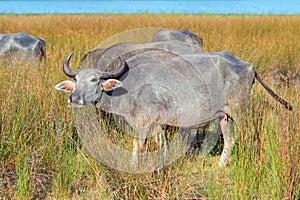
22, 46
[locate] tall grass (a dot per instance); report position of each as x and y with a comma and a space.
42, 157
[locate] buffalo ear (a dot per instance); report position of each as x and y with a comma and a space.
111, 84
65, 86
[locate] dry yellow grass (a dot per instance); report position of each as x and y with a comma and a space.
261, 40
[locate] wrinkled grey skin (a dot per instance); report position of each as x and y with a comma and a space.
163, 73
22, 45
162, 88
178, 35
101, 58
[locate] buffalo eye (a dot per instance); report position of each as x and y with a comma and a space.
94, 80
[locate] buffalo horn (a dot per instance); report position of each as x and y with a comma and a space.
114, 73
68, 71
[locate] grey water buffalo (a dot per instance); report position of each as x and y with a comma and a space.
183, 35
102, 58
22, 45
158, 87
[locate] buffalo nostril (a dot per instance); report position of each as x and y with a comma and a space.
74, 98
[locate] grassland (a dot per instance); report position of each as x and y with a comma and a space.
41, 156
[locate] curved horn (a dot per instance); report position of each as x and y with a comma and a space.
68, 71
120, 69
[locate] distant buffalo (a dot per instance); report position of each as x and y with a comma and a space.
183, 35
22, 46
181, 42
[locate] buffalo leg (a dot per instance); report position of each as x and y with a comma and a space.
212, 135
226, 128
184, 140
161, 139
140, 143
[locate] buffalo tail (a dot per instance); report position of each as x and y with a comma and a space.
282, 101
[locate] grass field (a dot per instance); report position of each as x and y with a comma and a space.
41, 156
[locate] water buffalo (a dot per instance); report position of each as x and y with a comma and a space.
183, 35
158, 87
22, 45
102, 58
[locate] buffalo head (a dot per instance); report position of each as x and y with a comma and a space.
89, 84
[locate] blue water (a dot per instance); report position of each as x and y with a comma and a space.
282, 7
